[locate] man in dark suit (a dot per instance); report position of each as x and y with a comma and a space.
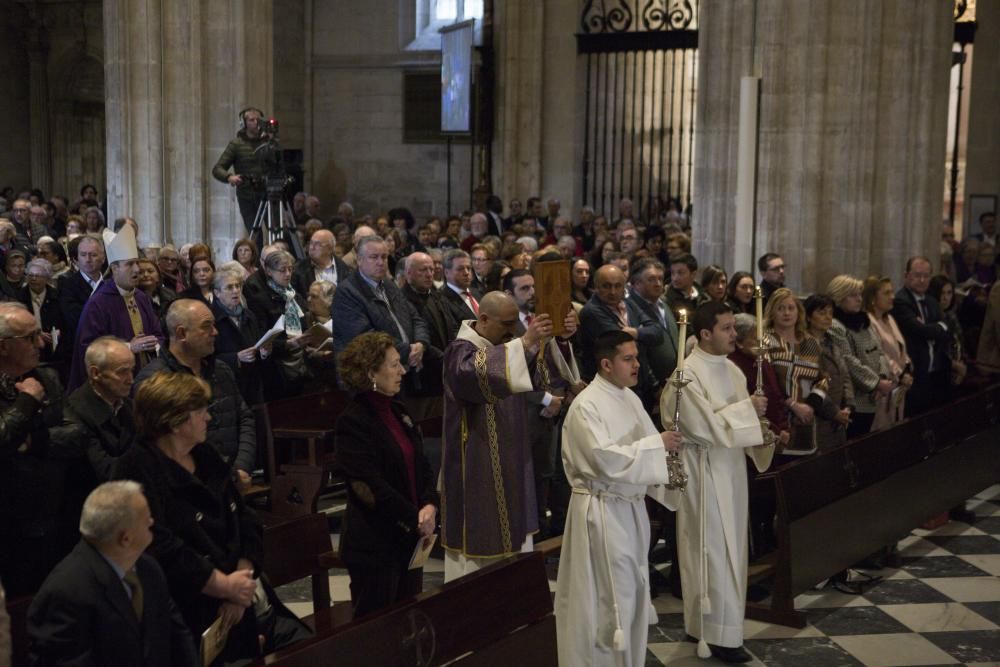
988, 231
367, 301
102, 406
556, 373
321, 264
608, 310
457, 290
75, 287
419, 291
42, 300
927, 337
647, 294
106, 603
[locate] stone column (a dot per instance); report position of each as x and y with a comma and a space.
982, 161
177, 72
853, 117
517, 144
38, 85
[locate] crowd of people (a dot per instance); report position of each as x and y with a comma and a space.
121, 363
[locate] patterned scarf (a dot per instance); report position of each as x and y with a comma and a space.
293, 314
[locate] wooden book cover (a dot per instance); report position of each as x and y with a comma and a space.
553, 292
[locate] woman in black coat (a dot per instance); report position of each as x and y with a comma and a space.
239, 330
273, 298
204, 537
391, 501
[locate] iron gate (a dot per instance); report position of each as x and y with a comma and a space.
641, 88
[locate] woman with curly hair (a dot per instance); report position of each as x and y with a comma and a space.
391, 500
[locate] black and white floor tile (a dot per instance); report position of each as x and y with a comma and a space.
940, 607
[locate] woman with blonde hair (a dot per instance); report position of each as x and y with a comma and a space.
204, 537
877, 296
861, 349
795, 356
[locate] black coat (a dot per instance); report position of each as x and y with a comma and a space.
201, 525
460, 311
83, 616
921, 335
442, 328
39, 500
381, 520
233, 339
232, 430
52, 318
74, 291
304, 275
267, 306
109, 434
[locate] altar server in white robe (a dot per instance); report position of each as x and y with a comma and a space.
721, 427
612, 455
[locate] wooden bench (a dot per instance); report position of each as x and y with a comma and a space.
837, 507
500, 615
310, 419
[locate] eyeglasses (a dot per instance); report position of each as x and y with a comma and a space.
34, 335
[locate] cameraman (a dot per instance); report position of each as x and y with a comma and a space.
247, 166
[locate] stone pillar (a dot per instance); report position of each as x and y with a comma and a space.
982, 161
519, 39
177, 72
38, 86
853, 118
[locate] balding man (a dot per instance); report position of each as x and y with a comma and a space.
351, 257
107, 603
488, 506
608, 310
102, 406
191, 326
321, 263
419, 290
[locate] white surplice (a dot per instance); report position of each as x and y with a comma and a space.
612, 453
720, 426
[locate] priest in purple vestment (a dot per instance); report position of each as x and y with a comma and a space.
488, 508
117, 308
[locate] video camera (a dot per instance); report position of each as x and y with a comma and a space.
275, 179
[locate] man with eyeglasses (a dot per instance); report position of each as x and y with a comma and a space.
42, 299
169, 264
772, 274
36, 494
27, 231
117, 308
462, 300
367, 301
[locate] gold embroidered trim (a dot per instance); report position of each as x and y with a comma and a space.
491, 427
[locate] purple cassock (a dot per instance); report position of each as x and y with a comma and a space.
488, 489
105, 314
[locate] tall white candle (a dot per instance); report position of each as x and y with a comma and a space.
681, 339
760, 314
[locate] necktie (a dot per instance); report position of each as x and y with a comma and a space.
472, 302
132, 579
528, 319
380, 293
923, 309
622, 312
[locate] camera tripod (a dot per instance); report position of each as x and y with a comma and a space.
270, 224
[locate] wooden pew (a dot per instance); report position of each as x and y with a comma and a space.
837, 507
501, 615
310, 418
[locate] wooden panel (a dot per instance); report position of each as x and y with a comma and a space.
552, 292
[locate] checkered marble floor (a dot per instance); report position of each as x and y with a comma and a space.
941, 607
